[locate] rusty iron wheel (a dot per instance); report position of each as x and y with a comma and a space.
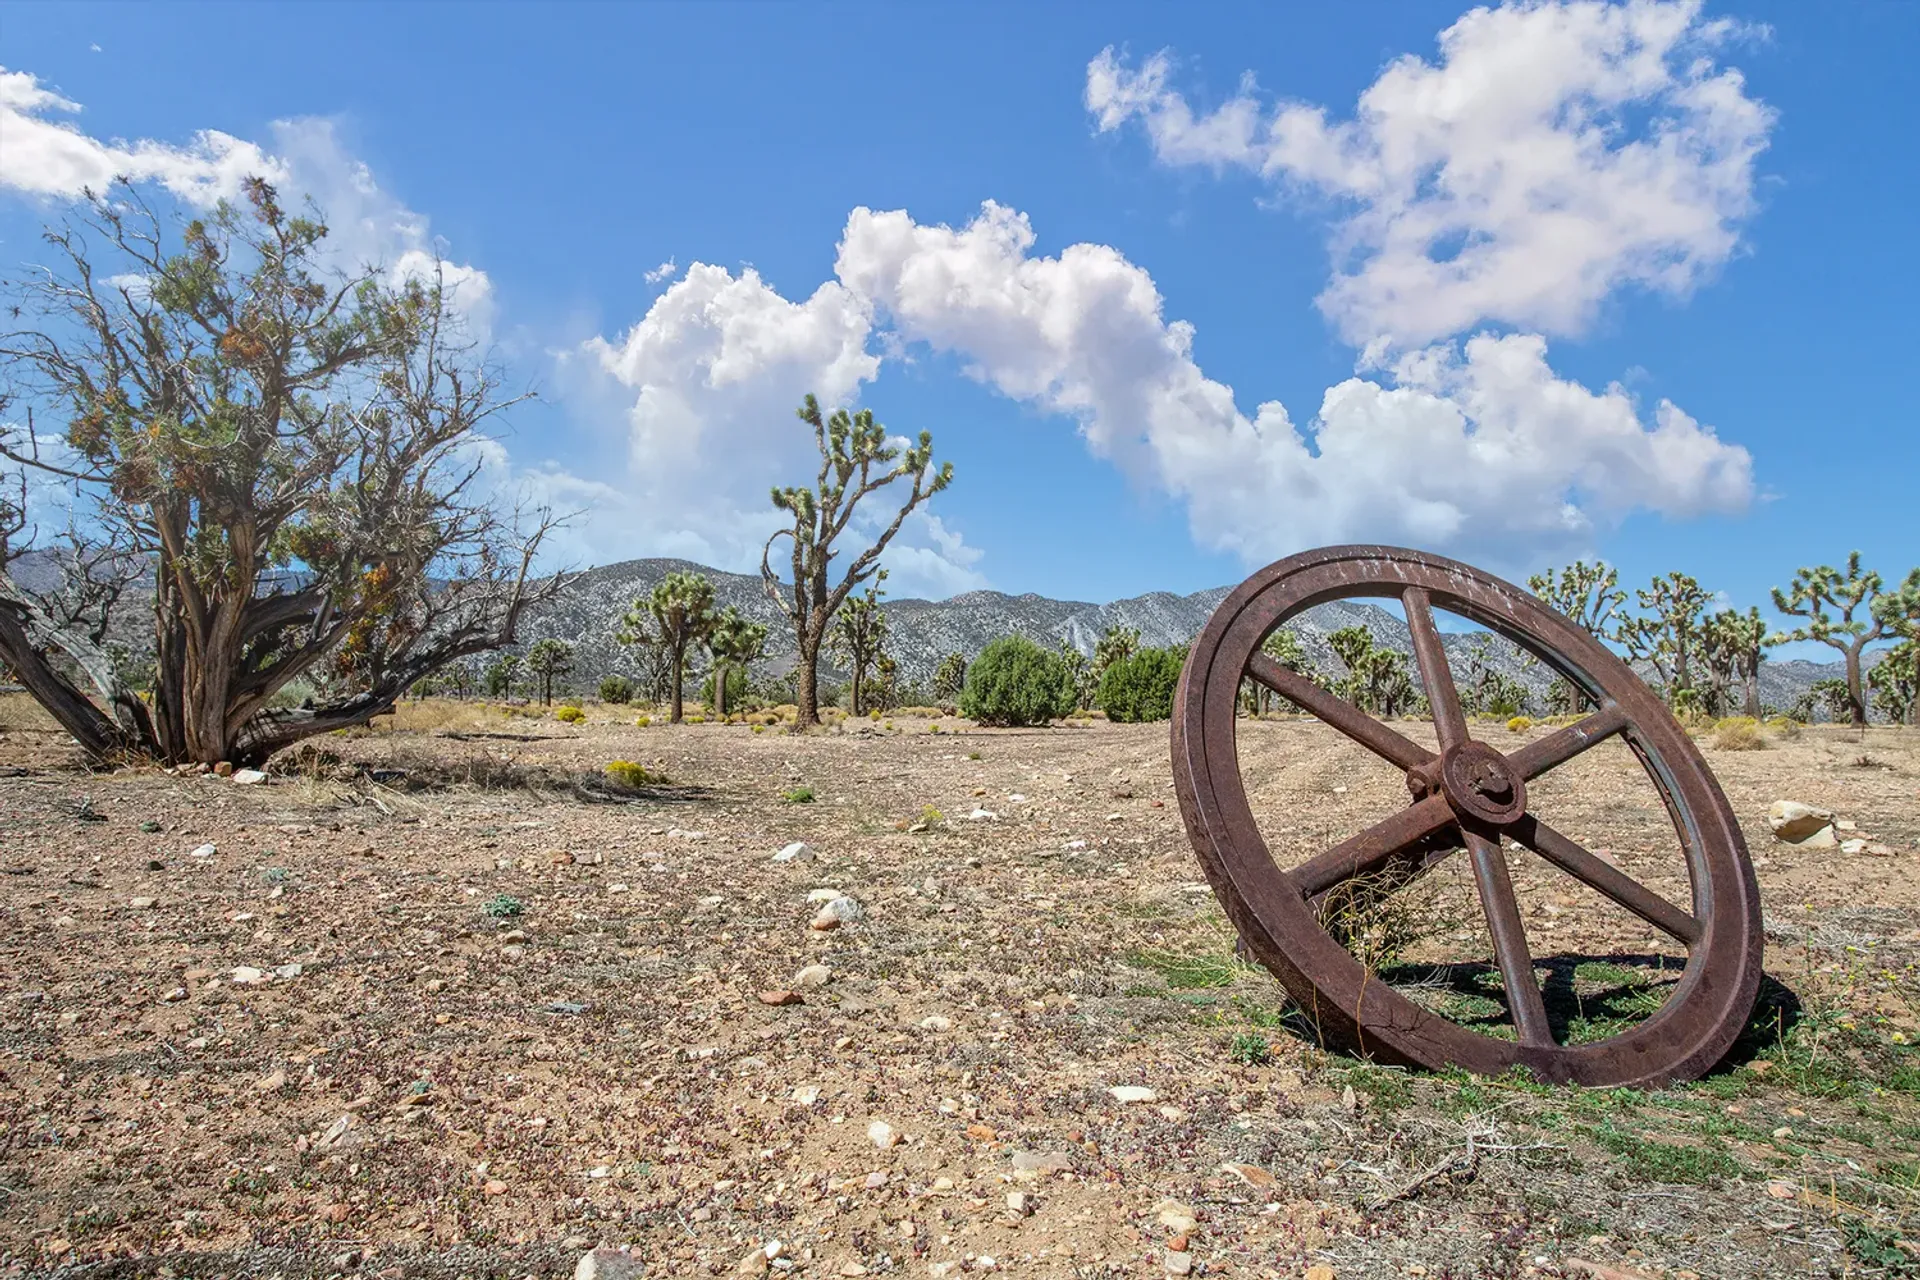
1467, 796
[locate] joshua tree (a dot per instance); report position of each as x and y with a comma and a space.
860, 636
1816, 594
1895, 680
678, 615
279, 451
1284, 647
501, 675
734, 642
950, 677
1079, 675
1377, 678
1667, 634
1734, 645
851, 447
549, 659
1588, 594
1115, 644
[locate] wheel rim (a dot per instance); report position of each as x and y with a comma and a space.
1470, 792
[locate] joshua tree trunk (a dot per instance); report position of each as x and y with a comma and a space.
720, 691
679, 672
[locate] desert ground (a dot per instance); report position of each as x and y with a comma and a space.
441, 999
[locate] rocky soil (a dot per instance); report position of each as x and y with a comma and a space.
453, 1005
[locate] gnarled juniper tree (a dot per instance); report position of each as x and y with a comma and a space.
856, 460
275, 456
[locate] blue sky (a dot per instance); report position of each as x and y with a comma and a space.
1711, 208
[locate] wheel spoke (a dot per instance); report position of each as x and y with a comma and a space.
1524, 1001
1371, 848
1598, 875
1338, 712
1556, 749
1449, 721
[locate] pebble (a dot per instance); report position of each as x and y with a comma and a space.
840, 911
1179, 1263
248, 976
882, 1135
823, 895
813, 977
983, 815
806, 1095
204, 851
675, 833
779, 998
248, 777
798, 851
141, 904
1125, 1094
1175, 1217
936, 1022
1019, 1203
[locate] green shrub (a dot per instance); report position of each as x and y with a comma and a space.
1016, 682
1250, 1049
1141, 685
617, 690
569, 715
1519, 724
632, 776
504, 906
641, 722
797, 795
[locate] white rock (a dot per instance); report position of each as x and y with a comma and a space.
1116, 817
842, 910
248, 976
204, 851
983, 815
812, 977
806, 1095
1800, 824
1174, 1216
248, 777
610, 1264
287, 971
823, 895
1855, 845
1014, 797
1074, 844
1130, 1093
675, 833
140, 904
882, 1135
936, 1023
798, 851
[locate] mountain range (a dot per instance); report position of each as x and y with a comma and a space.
587, 614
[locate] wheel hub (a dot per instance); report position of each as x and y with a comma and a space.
1482, 785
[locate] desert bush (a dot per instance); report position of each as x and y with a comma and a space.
1141, 685
1016, 682
1785, 726
1519, 724
504, 906
569, 715
626, 773
797, 795
641, 722
617, 690
1738, 733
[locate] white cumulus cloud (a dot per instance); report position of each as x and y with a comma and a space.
1456, 447
1553, 153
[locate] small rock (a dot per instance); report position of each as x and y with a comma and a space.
754, 1264
204, 851
1855, 845
288, 971
1321, 1271
1116, 817
780, 998
823, 895
798, 851
1179, 1263
1125, 1094
1175, 1217
337, 1212
175, 996
813, 977
1782, 1190
1038, 1162
248, 976
224, 769
1251, 1174
514, 938
494, 1187
806, 1095
1801, 824
675, 833
983, 815
1875, 849
140, 904
610, 1264
882, 1135
936, 1022
271, 1082
840, 911
248, 777
1019, 1203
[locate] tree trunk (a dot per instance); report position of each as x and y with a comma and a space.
807, 696
1753, 696
720, 691
546, 687
1855, 703
679, 672
99, 737
853, 698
